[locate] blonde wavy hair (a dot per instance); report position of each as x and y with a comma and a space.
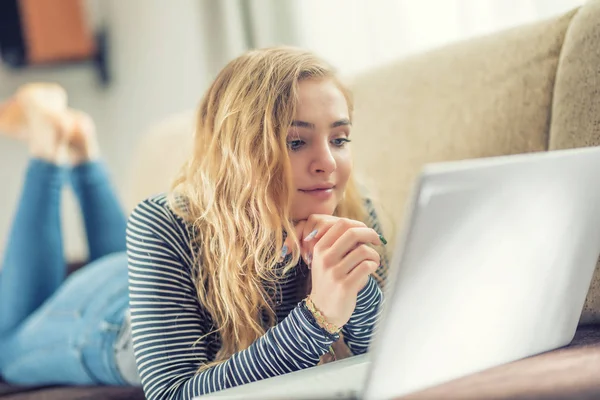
237, 189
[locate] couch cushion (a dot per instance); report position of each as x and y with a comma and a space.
158, 157
576, 107
483, 97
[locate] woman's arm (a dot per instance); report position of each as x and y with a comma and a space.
358, 331
168, 320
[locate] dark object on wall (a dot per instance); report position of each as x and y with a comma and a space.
12, 47
46, 33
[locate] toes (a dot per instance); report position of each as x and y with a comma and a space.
41, 99
45, 95
12, 119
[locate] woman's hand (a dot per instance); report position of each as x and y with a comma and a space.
341, 261
310, 230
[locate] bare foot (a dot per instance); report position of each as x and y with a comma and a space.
13, 114
13, 122
38, 112
44, 107
83, 144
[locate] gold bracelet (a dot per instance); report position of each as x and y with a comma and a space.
320, 318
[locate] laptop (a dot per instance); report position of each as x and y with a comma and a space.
493, 265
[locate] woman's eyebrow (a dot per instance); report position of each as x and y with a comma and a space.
309, 125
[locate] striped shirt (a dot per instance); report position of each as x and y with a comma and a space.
167, 318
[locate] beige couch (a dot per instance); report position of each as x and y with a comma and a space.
533, 88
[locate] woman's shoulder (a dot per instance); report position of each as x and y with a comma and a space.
156, 210
159, 209
156, 217
159, 247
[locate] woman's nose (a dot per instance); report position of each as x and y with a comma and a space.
324, 161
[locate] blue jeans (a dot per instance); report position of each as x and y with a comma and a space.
54, 329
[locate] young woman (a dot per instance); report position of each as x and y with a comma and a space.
263, 252
262, 256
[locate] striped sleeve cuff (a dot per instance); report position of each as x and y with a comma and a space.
358, 332
369, 296
304, 321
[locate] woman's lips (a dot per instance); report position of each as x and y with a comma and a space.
322, 194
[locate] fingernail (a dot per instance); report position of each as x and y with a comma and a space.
284, 250
309, 259
311, 235
382, 239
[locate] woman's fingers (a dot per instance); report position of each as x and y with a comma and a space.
361, 253
310, 231
333, 235
350, 239
359, 276
288, 244
335, 232
315, 228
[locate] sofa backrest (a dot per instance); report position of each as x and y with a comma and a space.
532, 88
526, 89
158, 157
483, 97
575, 117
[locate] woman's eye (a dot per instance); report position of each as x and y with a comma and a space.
295, 144
340, 142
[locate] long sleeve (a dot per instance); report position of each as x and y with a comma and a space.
168, 320
359, 330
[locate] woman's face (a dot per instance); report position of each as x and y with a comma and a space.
318, 148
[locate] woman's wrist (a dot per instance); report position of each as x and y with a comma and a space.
310, 318
319, 318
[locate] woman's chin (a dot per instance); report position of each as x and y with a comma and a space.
322, 209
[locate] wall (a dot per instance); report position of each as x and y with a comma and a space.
158, 69
365, 34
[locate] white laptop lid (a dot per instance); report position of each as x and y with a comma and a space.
496, 265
